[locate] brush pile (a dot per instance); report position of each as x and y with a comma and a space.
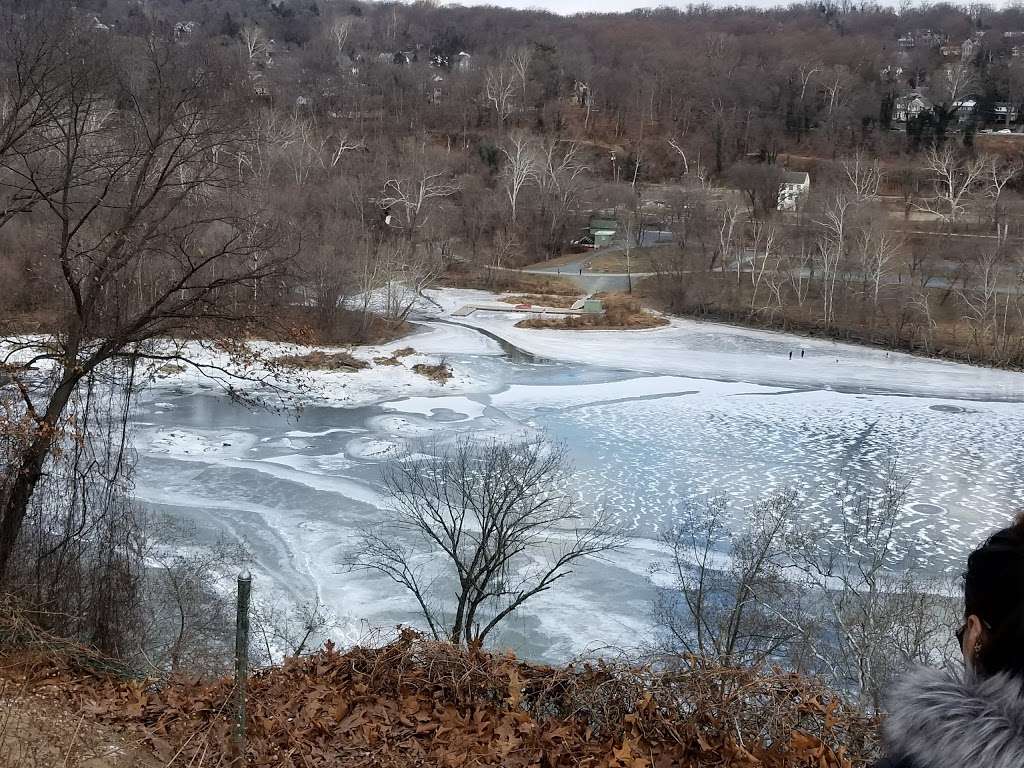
418, 702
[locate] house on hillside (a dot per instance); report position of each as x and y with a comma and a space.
908, 107
793, 189
184, 29
891, 73
400, 58
463, 61
1004, 112
580, 93
965, 109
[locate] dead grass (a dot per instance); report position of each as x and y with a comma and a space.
620, 313
323, 361
170, 369
440, 372
501, 281
301, 325
403, 352
386, 361
542, 300
640, 259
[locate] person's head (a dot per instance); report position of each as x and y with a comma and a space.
992, 636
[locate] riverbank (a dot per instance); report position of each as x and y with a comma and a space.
710, 350
937, 320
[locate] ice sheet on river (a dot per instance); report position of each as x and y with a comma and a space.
693, 410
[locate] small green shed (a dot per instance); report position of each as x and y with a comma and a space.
603, 230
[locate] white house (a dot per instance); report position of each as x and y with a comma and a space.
910, 106
965, 109
793, 189
1005, 112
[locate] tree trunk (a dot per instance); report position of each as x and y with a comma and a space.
28, 473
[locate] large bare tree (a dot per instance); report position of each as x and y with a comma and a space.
954, 178
127, 185
491, 522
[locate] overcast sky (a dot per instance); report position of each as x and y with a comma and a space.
610, 6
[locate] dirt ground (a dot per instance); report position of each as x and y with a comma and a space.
38, 731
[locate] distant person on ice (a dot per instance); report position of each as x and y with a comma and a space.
973, 718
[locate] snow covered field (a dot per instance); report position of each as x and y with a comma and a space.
652, 419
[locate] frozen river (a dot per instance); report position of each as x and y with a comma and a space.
651, 419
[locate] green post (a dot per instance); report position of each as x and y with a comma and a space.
241, 665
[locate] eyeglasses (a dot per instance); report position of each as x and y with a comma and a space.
963, 631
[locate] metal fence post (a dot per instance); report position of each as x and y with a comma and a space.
241, 665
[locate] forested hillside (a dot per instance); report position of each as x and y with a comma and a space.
251, 197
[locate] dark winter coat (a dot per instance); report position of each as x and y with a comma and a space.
939, 719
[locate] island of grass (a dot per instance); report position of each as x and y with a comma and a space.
620, 313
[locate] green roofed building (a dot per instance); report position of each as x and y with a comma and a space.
603, 230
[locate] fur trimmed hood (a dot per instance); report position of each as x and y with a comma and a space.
939, 719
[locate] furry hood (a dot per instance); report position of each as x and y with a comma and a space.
940, 719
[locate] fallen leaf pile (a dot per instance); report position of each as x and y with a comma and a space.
417, 702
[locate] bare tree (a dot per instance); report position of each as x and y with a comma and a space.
520, 169
764, 258
760, 183
190, 614
837, 595
998, 173
954, 81
339, 32
879, 615
831, 250
954, 178
879, 249
991, 301
729, 601
131, 171
499, 87
863, 176
486, 523
729, 241
560, 174
519, 60
286, 630
254, 42
410, 198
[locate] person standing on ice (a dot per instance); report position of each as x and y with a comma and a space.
791, 354
973, 718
